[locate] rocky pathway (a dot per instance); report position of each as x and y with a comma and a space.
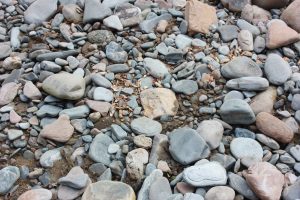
149, 99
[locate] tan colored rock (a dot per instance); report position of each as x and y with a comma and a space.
72, 13
31, 91
265, 180
162, 25
274, 127
36, 194
276, 30
14, 117
60, 130
158, 102
8, 92
291, 15
255, 14
135, 161
105, 190
270, 4
200, 16
99, 106
12, 63
220, 193
264, 101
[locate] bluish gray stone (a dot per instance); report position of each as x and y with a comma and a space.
95, 11
148, 25
228, 32
115, 53
101, 81
146, 126
248, 84
98, 151
242, 132
8, 176
118, 132
48, 159
240, 148
187, 87
48, 111
103, 94
155, 67
76, 112
117, 68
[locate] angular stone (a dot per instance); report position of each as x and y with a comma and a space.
50, 157
135, 161
76, 178
291, 15
8, 176
113, 22
129, 14
245, 40
31, 91
8, 92
148, 25
228, 32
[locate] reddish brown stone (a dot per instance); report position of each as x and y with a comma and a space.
291, 15
255, 14
270, 4
274, 127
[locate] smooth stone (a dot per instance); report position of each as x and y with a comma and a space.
211, 131
117, 68
118, 132
244, 25
239, 147
227, 161
254, 14
270, 4
8, 176
233, 95
277, 70
228, 32
48, 111
146, 126
155, 67
187, 146
51, 56
76, 178
241, 67
113, 3
267, 141
113, 22
101, 81
296, 102
245, 40
295, 152
143, 193
220, 193
103, 94
100, 36
98, 151
5, 51
236, 111
183, 41
76, 112
36, 194
291, 15
240, 185
259, 44
292, 192
264, 101
14, 134
206, 174
186, 87
192, 196
99, 106
95, 11
8, 92
248, 84
148, 25
48, 158
115, 53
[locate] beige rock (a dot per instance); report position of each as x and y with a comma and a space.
31, 91
276, 29
99, 106
270, 4
14, 117
142, 141
11, 63
8, 92
60, 130
245, 40
220, 193
162, 25
158, 102
274, 127
105, 190
265, 180
291, 15
163, 166
264, 101
255, 14
72, 13
36, 194
135, 161
200, 16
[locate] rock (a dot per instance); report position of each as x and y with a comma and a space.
31, 91
159, 149
155, 67
244, 25
128, 14
100, 36
118, 68
248, 84
98, 151
14, 117
115, 53
259, 44
64, 86
50, 157
274, 127
235, 6
95, 11
241, 67
76, 178
228, 32
187, 146
14, 134
265, 180
277, 70
99, 106
5, 51
77, 112
101, 81
264, 101
236, 111
72, 13
40, 11
135, 161
8, 176
146, 126
113, 22
239, 148
51, 56
211, 131
270, 4
296, 102
276, 28
113, 3
60, 130
186, 87
241, 186
233, 94
148, 25
108, 190
183, 41
145, 189
36, 194
103, 94
8, 92
245, 40
12, 63
295, 152
267, 141
255, 14
159, 102
291, 15
220, 193
160, 189
200, 16
292, 192
65, 192
206, 174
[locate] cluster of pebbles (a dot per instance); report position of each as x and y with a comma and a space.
149, 99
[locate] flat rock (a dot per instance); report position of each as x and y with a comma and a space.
186, 87
8, 92
5, 51
40, 11
145, 189
103, 94
206, 174
160, 189
95, 11
155, 67
8, 176
248, 84
211, 131
98, 151
99, 106
200, 16
64, 86
241, 67
187, 146
159, 102
236, 111
183, 41
264, 101
239, 148
146, 126
274, 127
220, 193
291, 15
36, 194
108, 190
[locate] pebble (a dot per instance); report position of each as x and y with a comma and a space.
103, 94
146, 126
155, 67
220, 193
40, 11
211, 131
8, 176
98, 150
186, 87
248, 84
48, 158
36, 194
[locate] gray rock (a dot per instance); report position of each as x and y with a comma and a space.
160, 189
236, 111
146, 126
50, 66
242, 132
248, 84
148, 25
51, 56
245, 40
206, 174
244, 25
268, 141
277, 70
259, 44
297, 46
183, 41
241, 67
143, 194
5, 51
103, 94
113, 22
48, 159
14, 134
187, 87
98, 151
192, 196
95, 11
76, 178
239, 148
117, 68
115, 53
14, 38
228, 32
295, 152
118, 132
155, 67
296, 102
100, 36
77, 112
187, 146
8, 176
129, 14
113, 3
234, 95
226, 161
40, 11
101, 81
48, 111
292, 192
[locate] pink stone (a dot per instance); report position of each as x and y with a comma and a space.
31, 91
291, 15
36, 194
99, 106
14, 117
255, 14
184, 188
8, 92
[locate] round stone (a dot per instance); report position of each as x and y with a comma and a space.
246, 148
211, 131
146, 126
220, 193
36, 194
